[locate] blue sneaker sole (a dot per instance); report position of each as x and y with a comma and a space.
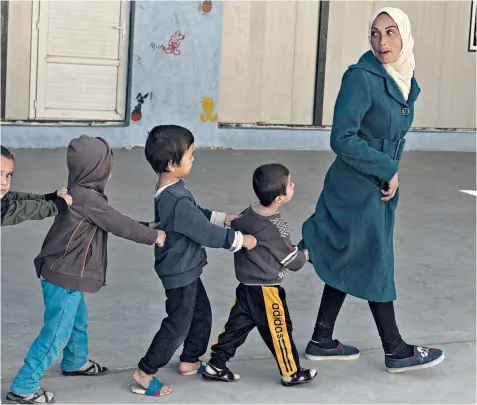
337, 357
419, 366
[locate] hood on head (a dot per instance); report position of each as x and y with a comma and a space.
89, 163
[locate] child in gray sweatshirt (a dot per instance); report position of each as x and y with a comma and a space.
260, 300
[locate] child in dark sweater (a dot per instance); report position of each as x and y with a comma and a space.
18, 207
260, 301
180, 262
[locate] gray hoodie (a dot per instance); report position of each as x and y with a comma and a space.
74, 253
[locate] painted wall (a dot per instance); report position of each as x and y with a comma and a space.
445, 69
177, 84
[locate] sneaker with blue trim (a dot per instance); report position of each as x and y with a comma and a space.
340, 352
424, 357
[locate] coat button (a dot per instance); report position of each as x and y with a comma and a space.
405, 111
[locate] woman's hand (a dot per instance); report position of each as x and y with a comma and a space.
392, 188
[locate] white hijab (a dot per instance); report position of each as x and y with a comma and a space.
402, 69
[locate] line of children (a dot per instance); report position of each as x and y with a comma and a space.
73, 261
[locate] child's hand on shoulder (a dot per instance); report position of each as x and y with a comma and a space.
229, 218
63, 193
307, 255
161, 238
249, 242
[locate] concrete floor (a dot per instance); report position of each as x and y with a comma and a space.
435, 274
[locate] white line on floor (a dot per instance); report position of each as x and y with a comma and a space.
471, 192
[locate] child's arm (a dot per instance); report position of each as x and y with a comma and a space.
21, 196
107, 218
214, 217
288, 255
206, 212
297, 261
218, 218
22, 207
193, 222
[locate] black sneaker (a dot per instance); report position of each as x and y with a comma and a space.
212, 373
340, 352
424, 357
302, 376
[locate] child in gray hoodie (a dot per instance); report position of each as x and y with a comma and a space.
72, 261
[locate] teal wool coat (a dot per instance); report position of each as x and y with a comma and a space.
350, 235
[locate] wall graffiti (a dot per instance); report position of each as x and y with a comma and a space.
172, 45
136, 114
208, 106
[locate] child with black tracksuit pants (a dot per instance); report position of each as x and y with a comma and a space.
180, 262
260, 300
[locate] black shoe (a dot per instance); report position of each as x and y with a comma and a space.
302, 376
40, 397
212, 373
340, 352
424, 357
93, 370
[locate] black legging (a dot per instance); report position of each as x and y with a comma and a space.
383, 313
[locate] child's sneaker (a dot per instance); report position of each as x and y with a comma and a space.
212, 373
340, 352
302, 376
424, 357
39, 397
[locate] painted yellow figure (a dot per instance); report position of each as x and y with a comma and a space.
208, 107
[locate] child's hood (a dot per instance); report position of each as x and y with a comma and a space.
89, 163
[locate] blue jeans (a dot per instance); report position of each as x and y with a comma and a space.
65, 329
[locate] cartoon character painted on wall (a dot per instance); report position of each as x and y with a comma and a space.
208, 107
174, 43
136, 115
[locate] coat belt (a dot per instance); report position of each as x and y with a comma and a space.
393, 149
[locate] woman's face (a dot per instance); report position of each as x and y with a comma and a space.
385, 39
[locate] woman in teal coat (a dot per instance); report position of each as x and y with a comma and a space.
350, 235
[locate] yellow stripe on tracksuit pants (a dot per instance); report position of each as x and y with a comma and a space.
264, 308
278, 330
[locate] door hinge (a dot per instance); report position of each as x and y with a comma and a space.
34, 105
38, 25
